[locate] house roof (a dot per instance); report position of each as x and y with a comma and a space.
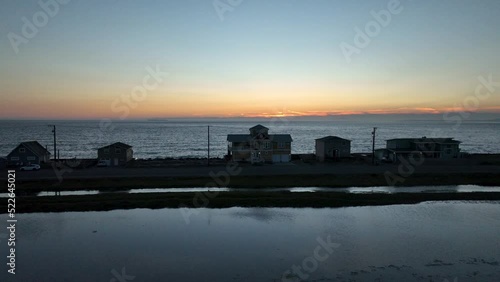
446, 140
247, 137
117, 144
331, 138
238, 137
34, 147
436, 140
281, 137
258, 127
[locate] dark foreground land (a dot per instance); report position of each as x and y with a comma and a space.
247, 176
112, 201
261, 181
29, 183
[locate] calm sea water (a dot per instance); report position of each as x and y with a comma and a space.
457, 241
152, 139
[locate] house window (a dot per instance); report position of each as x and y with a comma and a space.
106, 150
117, 150
267, 145
22, 150
14, 158
31, 158
281, 145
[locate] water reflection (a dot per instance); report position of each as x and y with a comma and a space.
424, 242
356, 190
263, 214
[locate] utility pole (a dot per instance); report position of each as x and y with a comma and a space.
55, 148
373, 144
208, 143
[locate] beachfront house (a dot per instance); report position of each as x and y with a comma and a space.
332, 147
27, 153
259, 146
433, 148
116, 154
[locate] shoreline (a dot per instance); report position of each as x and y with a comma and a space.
260, 181
122, 201
333, 176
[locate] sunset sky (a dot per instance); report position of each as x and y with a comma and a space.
261, 58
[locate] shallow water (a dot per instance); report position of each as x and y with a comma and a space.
425, 242
355, 190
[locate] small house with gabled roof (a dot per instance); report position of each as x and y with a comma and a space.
116, 154
332, 147
26, 153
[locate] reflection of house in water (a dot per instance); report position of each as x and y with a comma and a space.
433, 148
332, 147
260, 146
264, 214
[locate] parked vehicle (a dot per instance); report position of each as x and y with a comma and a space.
30, 167
102, 163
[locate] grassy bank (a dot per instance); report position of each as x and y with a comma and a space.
105, 202
326, 180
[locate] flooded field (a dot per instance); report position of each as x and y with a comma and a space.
357, 190
424, 242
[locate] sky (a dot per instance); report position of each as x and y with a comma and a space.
247, 58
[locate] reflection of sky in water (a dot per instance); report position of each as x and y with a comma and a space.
263, 214
356, 190
440, 239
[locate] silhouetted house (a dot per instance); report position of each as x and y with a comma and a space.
332, 147
433, 148
28, 153
117, 154
260, 146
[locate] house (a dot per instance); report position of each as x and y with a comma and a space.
435, 148
26, 153
260, 146
116, 154
332, 147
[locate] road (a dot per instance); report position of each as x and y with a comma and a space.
276, 169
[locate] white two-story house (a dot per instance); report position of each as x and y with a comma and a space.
260, 146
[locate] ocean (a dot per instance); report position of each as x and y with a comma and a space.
188, 138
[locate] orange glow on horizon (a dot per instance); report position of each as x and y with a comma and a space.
367, 112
